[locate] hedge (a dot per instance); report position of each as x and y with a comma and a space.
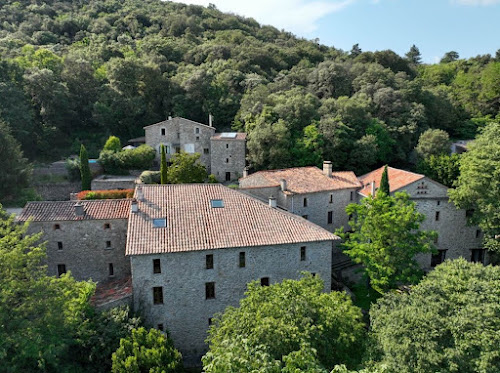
105, 194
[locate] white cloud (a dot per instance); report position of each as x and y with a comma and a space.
477, 2
297, 16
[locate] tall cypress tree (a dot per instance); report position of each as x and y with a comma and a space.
85, 169
163, 166
384, 183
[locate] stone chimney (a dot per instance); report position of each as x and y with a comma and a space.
272, 202
373, 188
245, 172
327, 168
79, 211
210, 120
140, 193
134, 207
169, 117
283, 185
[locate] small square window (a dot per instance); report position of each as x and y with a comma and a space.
437, 215
242, 261
196, 130
302, 253
107, 226
57, 226
157, 295
330, 217
156, 266
197, 138
59, 245
61, 269
438, 258
111, 270
160, 222
305, 202
206, 151
209, 261
217, 203
163, 131
209, 290
438, 203
264, 281
108, 244
160, 327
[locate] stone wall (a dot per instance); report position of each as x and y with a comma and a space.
106, 182
185, 312
84, 249
228, 155
57, 191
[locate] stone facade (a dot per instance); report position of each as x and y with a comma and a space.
86, 247
181, 134
108, 182
57, 191
228, 158
186, 312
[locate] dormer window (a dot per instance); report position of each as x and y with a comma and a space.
216, 203
160, 222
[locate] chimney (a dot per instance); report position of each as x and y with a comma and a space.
327, 168
133, 207
272, 202
373, 188
245, 172
283, 185
169, 117
210, 120
140, 193
79, 209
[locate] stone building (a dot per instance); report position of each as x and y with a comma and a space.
320, 196
87, 238
456, 237
193, 249
222, 154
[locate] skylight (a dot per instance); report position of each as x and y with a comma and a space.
160, 222
216, 203
228, 135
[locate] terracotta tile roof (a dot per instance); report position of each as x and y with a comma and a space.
112, 291
305, 179
192, 224
64, 210
224, 137
397, 179
181, 121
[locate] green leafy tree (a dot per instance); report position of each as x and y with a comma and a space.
477, 187
384, 238
147, 351
449, 57
413, 55
444, 169
38, 313
384, 183
446, 323
86, 176
433, 142
291, 326
113, 144
163, 166
186, 168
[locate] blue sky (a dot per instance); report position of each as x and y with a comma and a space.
470, 27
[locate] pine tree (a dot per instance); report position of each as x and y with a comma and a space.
85, 169
384, 183
163, 166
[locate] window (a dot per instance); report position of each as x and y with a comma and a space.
217, 203
330, 217
178, 135
264, 281
209, 261
242, 261
438, 258
206, 151
163, 131
305, 202
228, 176
111, 270
437, 215
436, 239
313, 274
227, 146
302, 253
209, 321
227, 160
331, 198
469, 213
352, 196
477, 256
108, 244
350, 217
196, 130
305, 216
160, 222
156, 266
157, 295
478, 233
438, 203
209, 290
160, 327
59, 245
107, 226
197, 138
57, 226
61, 269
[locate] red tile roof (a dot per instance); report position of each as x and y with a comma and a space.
397, 179
192, 224
64, 210
112, 291
305, 179
237, 136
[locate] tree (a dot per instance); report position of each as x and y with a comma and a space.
449, 57
16, 171
446, 323
355, 50
286, 327
163, 166
38, 313
186, 168
385, 238
433, 142
113, 144
413, 55
147, 351
85, 169
444, 169
384, 183
478, 187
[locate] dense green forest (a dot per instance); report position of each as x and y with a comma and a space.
77, 71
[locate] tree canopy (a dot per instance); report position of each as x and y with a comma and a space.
186, 168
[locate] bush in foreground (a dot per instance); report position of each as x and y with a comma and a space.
105, 194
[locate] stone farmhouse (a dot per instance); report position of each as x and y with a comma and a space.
223, 154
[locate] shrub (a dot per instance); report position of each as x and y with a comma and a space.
73, 168
113, 144
150, 177
130, 159
105, 194
212, 179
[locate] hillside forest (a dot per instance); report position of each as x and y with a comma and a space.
77, 71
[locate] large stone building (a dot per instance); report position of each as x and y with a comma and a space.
456, 238
87, 238
320, 196
194, 248
223, 154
